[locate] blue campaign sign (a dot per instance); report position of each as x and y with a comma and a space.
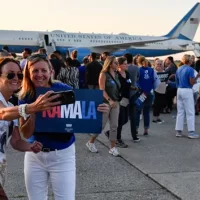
80, 117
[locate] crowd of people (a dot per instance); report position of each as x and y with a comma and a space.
131, 86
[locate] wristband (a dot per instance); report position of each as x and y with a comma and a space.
22, 111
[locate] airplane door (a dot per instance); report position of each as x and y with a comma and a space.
46, 39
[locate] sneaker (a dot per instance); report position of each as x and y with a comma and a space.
160, 121
136, 139
179, 134
193, 135
145, 134
91, 146
121, 144
114, 151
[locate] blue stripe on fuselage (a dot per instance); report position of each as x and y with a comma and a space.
147, 52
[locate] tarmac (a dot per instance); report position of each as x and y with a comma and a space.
160, 167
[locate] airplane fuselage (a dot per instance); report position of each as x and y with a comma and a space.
87, 42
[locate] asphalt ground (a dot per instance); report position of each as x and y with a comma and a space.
160, 167
100, 176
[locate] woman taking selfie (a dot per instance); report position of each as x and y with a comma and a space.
10, 81
56, 161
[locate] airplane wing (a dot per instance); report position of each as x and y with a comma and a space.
186, 45
141, 42
129, 44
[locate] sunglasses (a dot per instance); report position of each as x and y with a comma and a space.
11, 75
34, 56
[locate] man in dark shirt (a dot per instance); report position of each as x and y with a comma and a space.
60, 58
134, 74
92, 72
75, 62
103, 57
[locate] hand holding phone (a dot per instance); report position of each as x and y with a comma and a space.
66, 97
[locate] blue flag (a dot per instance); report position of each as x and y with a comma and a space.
80, 117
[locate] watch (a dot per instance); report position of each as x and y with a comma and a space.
108, 99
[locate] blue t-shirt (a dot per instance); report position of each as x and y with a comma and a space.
146, 79
183, 75
48, 142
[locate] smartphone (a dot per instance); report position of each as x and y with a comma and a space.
67, 97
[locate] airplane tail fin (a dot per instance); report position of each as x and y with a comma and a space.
191, 22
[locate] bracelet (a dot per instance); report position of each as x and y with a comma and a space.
22, 111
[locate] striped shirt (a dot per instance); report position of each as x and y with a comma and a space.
69, 76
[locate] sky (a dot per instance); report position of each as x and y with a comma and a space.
153, 17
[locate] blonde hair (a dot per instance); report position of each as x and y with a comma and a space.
186, 59
28, 87
109, 60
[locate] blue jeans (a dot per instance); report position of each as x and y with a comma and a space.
146, 112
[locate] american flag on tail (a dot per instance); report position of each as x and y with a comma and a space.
194, 20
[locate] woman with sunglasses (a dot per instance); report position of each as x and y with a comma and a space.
125, 82
110, 84
58, 163
10, 81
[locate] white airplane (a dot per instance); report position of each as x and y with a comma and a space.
179, 39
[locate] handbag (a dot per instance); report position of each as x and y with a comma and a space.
118, 88
124, 102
